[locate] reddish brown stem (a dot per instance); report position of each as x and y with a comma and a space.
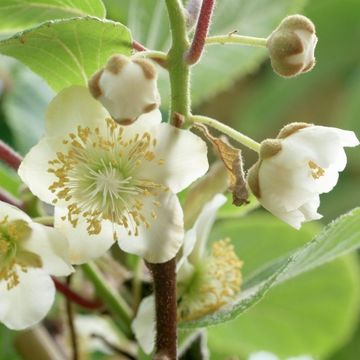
138, 47
164, 277
8, 198
202, 28
9, 156
75, 297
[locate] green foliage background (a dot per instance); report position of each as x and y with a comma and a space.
315, 313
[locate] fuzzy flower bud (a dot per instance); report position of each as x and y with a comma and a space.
303, 162
126, 87
292, 46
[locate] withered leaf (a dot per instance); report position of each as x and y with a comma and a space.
232, 159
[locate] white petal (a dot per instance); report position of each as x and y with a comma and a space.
34, 168
322, 144
310, 209
328, 181
185, 156
263, 355
12, 213
145, 122
89, 325
187, 248
27, 303
53, 248
282, 188
72, 107
163, 239
143, 325
82, 246
203, 225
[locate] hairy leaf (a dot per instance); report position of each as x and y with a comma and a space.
68, 52
339, 238
16, 15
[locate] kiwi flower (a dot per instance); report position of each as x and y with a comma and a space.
206, 280
29, 254
303, 162
110, 182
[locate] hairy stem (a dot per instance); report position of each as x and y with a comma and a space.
9, 156
236, 39
116, 304
179, 71
227, 130
164, 276
202, 28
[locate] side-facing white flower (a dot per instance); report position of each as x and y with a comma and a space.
110, 182
126, 87
29, 254
292, 46
303, 162
205, 281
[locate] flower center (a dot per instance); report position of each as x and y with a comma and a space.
12, 256
316, 171
98, 177
216, 285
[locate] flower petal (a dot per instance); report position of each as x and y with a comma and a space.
185, 156
163, 239
34, 168
143, 325
146, 122
12, 213
82, 246
73, 107
27, 303
203, 226
52, 247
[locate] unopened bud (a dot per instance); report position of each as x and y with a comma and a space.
126, 87
292, 46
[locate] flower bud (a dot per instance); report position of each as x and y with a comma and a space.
292, 45
126, 87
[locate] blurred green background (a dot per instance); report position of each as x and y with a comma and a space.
317, 313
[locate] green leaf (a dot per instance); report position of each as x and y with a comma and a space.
312, 314
16, 15
24, 107
221, 65
9, 180
68, 52
339, 238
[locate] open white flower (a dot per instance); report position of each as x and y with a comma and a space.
292, 46
205, 281
303, 162
110, 182
126, 87
29, 254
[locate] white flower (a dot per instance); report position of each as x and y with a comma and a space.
303, 162
205, 282
126, 87
264, 355
29, 254
109, 182
92, 330
292, 46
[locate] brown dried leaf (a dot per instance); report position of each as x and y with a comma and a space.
232, 159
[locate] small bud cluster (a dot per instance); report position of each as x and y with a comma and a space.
126, 87
292, 46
